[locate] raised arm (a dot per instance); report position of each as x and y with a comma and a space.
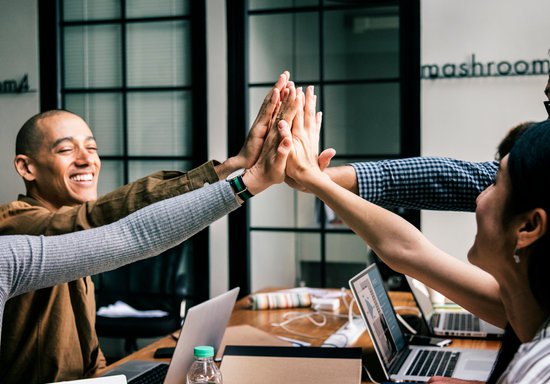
30, 263
396, 241
48, 260
437, 183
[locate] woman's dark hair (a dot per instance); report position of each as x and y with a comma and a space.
511, 137
529, 169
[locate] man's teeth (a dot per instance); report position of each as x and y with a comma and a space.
87, 177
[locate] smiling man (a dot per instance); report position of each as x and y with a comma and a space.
49, 335
56, 155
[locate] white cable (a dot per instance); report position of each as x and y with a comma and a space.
300, 315
350, 314
405, 324
368, 374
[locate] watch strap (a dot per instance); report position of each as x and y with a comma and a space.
240, 188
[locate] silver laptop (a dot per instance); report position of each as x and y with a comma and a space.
449, 322
205, 324
401, 361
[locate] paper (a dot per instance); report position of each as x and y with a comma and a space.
118, 379
249, 335
121, 309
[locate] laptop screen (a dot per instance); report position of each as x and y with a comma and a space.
377, 311
422, 297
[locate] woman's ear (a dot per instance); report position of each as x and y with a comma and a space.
25, 168
534, 226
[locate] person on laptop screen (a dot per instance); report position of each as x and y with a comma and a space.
506, 282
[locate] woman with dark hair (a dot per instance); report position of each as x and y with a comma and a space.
507, 283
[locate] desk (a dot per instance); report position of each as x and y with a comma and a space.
263, 319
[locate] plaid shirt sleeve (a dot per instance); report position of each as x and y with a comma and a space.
436, 183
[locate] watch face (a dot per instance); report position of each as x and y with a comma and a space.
236, 173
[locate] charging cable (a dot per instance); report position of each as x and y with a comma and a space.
368, 374
403, 321
293, 316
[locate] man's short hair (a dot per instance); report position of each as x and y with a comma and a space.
29, 136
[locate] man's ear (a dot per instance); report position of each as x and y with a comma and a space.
25, 167
533, 227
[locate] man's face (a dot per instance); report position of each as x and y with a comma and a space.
66, 167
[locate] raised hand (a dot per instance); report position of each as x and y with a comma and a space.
304, 157
271, 163
250, 151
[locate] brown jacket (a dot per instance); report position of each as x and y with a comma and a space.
49, 335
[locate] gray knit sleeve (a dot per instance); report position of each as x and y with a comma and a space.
31, 263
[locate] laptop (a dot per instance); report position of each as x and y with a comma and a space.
204, 324
449, 322
401, 361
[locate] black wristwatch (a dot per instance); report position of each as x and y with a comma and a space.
235, 179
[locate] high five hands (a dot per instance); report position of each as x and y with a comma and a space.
283, 142
304, 158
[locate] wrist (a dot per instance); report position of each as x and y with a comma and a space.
344, 176
313, 177
240, 189
254, 182
229, 166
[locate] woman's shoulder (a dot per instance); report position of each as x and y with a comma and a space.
531, 362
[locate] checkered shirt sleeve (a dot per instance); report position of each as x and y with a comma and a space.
436, 183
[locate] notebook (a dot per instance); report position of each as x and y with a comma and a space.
120, 379
304, 365
449, 322
401, 361
204, 324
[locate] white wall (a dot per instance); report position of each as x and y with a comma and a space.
466, 118
18, 55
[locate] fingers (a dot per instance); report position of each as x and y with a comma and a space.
271, 101
298, 122
309, 107
288, 106
319, 120
283, 150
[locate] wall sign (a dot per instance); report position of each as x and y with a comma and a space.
473, 68
14, 86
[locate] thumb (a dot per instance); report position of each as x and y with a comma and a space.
279, 164
325, 157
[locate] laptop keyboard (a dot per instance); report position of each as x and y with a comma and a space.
434, 363
462, 322
153, 376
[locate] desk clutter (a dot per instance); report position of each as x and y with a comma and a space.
318, 299
255, 347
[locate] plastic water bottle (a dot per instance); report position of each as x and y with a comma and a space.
204, 370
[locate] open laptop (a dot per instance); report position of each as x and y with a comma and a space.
401, 361
205, 324
449, 322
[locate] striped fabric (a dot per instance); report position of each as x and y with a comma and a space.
279, 300
438, 183
531, 364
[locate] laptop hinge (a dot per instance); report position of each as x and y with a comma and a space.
399, 360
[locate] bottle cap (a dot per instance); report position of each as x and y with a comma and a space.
204, 351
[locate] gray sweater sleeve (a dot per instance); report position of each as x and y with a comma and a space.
33, 262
